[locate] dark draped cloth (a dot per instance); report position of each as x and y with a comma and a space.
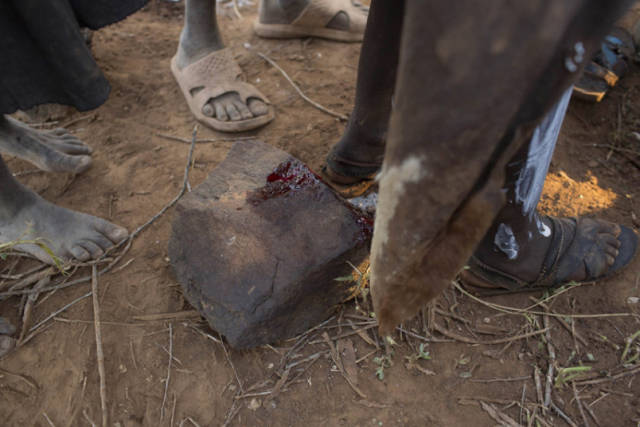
43, 55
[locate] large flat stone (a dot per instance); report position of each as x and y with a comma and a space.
257, 246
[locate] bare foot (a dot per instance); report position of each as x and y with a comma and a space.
70, 235
557, 250
54, 151
199, 38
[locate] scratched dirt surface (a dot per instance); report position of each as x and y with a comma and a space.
339, 373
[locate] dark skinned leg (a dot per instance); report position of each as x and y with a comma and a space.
468, 95
519, 240
360, 151
200, 36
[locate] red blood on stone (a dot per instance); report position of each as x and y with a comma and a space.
257, 246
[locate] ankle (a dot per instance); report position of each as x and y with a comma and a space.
281, 11
195, 46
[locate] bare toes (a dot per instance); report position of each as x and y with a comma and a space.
71, 148
610, 228
244, 110
257, 107
59, 131
610, 259
113, 232
233, 112
95, 250
610, 240
208, 110
80, 253
221, 113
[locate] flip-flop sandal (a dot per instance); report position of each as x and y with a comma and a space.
608, 65
214, 75
348, 190
348, 177
562, 259
313, 21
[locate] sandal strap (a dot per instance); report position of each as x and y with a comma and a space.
318, 13
209, 70
217, 74
548, 272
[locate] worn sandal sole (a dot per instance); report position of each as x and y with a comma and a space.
314, 19
348, 187
187, 82
287, 31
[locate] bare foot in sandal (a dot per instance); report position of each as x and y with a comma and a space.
209, 75
339, 20
543, 252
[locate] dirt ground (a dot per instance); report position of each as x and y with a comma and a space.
596, 171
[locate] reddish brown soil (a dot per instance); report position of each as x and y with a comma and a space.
136, 172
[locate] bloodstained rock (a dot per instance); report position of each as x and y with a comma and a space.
257, 246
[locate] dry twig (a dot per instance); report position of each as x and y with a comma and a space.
295, 86
166, 382
204, 140
99, 352
552, 361
127, 242
460, 338
579, 403
187, 314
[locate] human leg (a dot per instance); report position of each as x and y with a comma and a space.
359, 153
469, 93
209, 76
523, 249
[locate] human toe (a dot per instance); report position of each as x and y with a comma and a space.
59, 131
233, 112
114, 233
70, 147
257, 107
94, 250
243, 110
606, 227
80, 253
221, 112
58, 161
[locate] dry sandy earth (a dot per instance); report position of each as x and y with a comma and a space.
136, 172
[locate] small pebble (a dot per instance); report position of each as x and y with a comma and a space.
254, 404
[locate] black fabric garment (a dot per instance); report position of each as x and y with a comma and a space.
43, 56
